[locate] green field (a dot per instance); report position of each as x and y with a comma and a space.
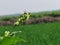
37, 34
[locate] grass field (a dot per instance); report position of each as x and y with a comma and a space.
37, 34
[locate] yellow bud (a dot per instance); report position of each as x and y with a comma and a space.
19, 19
7, 33
16, 23
1, 37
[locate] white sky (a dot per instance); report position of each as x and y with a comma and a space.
18, 6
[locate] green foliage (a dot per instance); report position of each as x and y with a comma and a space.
45, 13
6, 19
9, 41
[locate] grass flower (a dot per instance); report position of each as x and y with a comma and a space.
1, 38
14, 33
16, 23
7, 33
